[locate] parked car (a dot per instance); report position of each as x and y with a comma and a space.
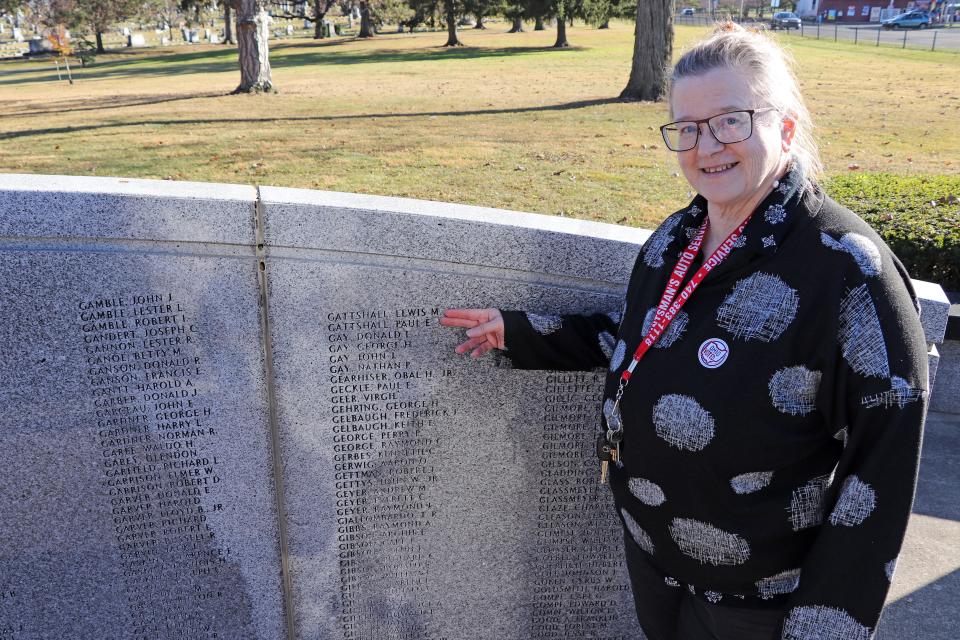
909, 20
785, 20
688, 11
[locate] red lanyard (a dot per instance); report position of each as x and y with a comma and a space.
671, 302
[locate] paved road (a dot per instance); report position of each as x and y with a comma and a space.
946, 38
924, 597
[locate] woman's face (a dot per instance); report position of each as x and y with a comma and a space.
729, 174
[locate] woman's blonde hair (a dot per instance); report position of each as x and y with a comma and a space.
733, 47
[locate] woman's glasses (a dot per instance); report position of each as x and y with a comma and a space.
727, 128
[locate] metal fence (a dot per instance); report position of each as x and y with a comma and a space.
942, 37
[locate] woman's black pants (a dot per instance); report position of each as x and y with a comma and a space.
672, 613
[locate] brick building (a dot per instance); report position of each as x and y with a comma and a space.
859, 10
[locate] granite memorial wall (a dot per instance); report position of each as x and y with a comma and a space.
233, 414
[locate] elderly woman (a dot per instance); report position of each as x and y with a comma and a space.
763, 413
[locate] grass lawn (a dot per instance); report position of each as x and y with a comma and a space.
504, 122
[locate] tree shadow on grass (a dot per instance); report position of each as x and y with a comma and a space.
308, 54
110, 102
579, 104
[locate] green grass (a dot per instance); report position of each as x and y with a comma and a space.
505, 122
918, 217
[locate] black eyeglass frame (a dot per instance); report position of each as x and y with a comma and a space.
663, 129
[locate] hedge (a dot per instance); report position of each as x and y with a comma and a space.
917, 216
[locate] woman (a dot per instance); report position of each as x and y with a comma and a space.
767, 388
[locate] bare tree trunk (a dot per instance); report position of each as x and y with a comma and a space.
227, 25
517, 25
479, 24
318, 15
538, 24
366, 28
100, 48
652, 50
253, 29
561, 33
605, 24
451, 14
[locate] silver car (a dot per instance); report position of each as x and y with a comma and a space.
785, 20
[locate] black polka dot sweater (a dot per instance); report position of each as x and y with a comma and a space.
772, 435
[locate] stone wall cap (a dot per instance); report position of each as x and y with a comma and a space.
126, 186
470, 213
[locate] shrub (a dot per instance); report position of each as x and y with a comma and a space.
917, 216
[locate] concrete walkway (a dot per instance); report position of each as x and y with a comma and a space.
924, 601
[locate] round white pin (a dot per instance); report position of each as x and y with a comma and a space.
713, 353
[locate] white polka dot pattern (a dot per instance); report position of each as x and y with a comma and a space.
674, 331
899, 395
750, 482
708, 544
807, 503
856, 502
760, 307
637, 533
822, 623
682, 422
658, 242
864, 251
619, 353
889, 569
860, 335
647, 492
544, 325
784, 582
793, 390
606, 341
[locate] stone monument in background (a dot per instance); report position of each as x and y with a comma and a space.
231, 413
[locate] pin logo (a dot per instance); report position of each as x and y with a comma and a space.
713, 353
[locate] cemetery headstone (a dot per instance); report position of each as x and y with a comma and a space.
40, 45
136, 40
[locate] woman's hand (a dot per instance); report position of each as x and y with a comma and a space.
484, 329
